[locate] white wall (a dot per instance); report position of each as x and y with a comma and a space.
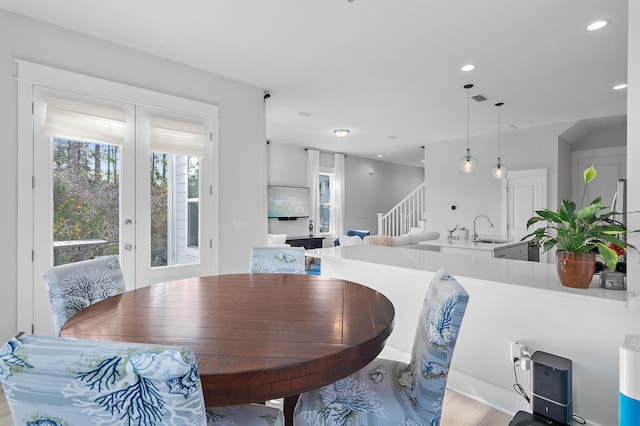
242, 150
633, 152
478, 192
287, 165
565, 184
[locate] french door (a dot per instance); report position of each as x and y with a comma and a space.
111, 177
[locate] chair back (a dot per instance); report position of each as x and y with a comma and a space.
424, 380
57, 381
75, 286
287, 260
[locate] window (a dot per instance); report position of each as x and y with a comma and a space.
86, 199
324, 194
193, 192
177, 147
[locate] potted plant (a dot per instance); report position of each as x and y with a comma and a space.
578, 235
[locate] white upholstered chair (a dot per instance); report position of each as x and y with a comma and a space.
387, 392
53, 381
75, 286
288, 260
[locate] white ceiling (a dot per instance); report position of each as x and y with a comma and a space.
381, 68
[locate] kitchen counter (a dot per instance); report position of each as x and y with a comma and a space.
531, 275
509, 300
503, 243
497, 248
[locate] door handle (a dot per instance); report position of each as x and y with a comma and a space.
128, 247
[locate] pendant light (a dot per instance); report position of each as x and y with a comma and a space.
467, 163
499, 171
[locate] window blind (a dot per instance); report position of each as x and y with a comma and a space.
84, 122
177, 137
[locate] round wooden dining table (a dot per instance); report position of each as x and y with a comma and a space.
256, 337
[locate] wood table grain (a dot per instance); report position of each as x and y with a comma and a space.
257, 337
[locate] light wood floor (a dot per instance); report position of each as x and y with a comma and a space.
457, 411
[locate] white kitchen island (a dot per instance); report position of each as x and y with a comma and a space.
501, 249
510, 300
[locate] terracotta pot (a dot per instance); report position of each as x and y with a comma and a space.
575, 269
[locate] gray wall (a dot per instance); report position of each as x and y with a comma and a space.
242, 150
614, 135
373, 187
366, 194
533, 148
478, 192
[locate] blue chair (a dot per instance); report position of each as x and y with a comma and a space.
352, 233
387, 392
55, 381
75, 286
287, 260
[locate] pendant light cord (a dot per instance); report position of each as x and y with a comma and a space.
499, 105
468, 87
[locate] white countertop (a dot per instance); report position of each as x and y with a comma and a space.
532, 275
472, 245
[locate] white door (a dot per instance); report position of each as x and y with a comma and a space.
524, 192
610, 164
173, 195
135, 185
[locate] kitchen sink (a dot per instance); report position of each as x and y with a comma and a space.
490, 241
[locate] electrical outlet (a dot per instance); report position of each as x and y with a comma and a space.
516, 353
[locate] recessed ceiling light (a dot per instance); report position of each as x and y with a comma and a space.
379, 155
341, 133
620, 86
468, 67
597, 25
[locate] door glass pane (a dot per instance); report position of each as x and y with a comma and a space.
193, 202
175, 187
86, 200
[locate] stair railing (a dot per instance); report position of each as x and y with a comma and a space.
405, 215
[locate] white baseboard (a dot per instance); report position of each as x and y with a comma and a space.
486, 393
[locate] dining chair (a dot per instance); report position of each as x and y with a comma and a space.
387, 392
58, 381
288, 260
75, 286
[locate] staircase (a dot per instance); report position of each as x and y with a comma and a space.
407, 216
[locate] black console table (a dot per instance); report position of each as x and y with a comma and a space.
307, 242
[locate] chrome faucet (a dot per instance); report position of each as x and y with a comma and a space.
475, 235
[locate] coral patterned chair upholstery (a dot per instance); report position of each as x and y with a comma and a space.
387, 392
78, 285
285, 260
53, 381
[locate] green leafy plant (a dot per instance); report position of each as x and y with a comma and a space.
579, 230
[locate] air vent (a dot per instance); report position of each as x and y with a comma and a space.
479, 98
